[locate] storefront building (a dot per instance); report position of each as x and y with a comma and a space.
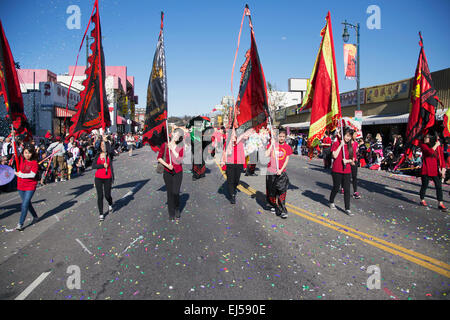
385, 107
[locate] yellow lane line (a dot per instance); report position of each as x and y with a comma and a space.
412, 255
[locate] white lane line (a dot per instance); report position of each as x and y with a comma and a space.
133, 191
129, 193
83, 246
131, 244
32, 286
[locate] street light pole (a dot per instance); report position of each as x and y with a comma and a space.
358, 103
346, 37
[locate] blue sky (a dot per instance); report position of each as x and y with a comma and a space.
201, 39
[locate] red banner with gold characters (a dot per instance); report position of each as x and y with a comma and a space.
350, 61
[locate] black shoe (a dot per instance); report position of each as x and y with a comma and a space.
233, 199
177, 213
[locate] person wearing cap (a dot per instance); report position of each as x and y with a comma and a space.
59, 160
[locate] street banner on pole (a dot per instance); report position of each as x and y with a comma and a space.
350, 61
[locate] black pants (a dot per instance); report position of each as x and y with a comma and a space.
437, 184
233, 172
354, 178
276, 190
327, 158
173, 186
341, 179
103, 185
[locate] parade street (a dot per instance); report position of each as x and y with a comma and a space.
224, 251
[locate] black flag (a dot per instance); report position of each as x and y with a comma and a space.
155, 129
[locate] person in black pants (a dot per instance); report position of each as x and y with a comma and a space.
104, 177
173, 172
341, 170
234, 158
432, 165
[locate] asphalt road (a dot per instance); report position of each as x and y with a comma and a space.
224, 251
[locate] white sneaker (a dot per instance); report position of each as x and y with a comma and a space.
332, 206
110, 209
19, 227
102, 217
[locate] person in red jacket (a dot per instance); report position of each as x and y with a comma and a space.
432, 165
27, 182
104, 176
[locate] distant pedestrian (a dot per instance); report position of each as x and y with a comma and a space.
27, 180
59, 160
131, 142
104, 178
326, 150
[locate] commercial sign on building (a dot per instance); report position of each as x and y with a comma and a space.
350, 98
389, 92
53, 93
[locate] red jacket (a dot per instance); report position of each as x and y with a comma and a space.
431, 160
26, 167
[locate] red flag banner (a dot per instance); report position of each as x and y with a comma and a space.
10, 89
350, 61
423, 106
92, 110
322, 95
252, 108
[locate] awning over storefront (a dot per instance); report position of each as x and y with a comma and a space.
370, 120
63, 113
297, 126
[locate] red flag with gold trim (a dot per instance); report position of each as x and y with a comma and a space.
322, 95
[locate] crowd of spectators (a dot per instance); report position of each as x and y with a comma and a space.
61, 159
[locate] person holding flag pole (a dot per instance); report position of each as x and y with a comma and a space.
322, 97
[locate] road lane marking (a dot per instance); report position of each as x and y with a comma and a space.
32, 286
131, 245
83, 246
412, 255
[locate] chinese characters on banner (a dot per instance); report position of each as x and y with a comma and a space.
350, 61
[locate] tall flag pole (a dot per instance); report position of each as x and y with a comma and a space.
423, 105
10, 91
322, 95
156, 124
251, 108
92, 109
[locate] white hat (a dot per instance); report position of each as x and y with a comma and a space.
2, 138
